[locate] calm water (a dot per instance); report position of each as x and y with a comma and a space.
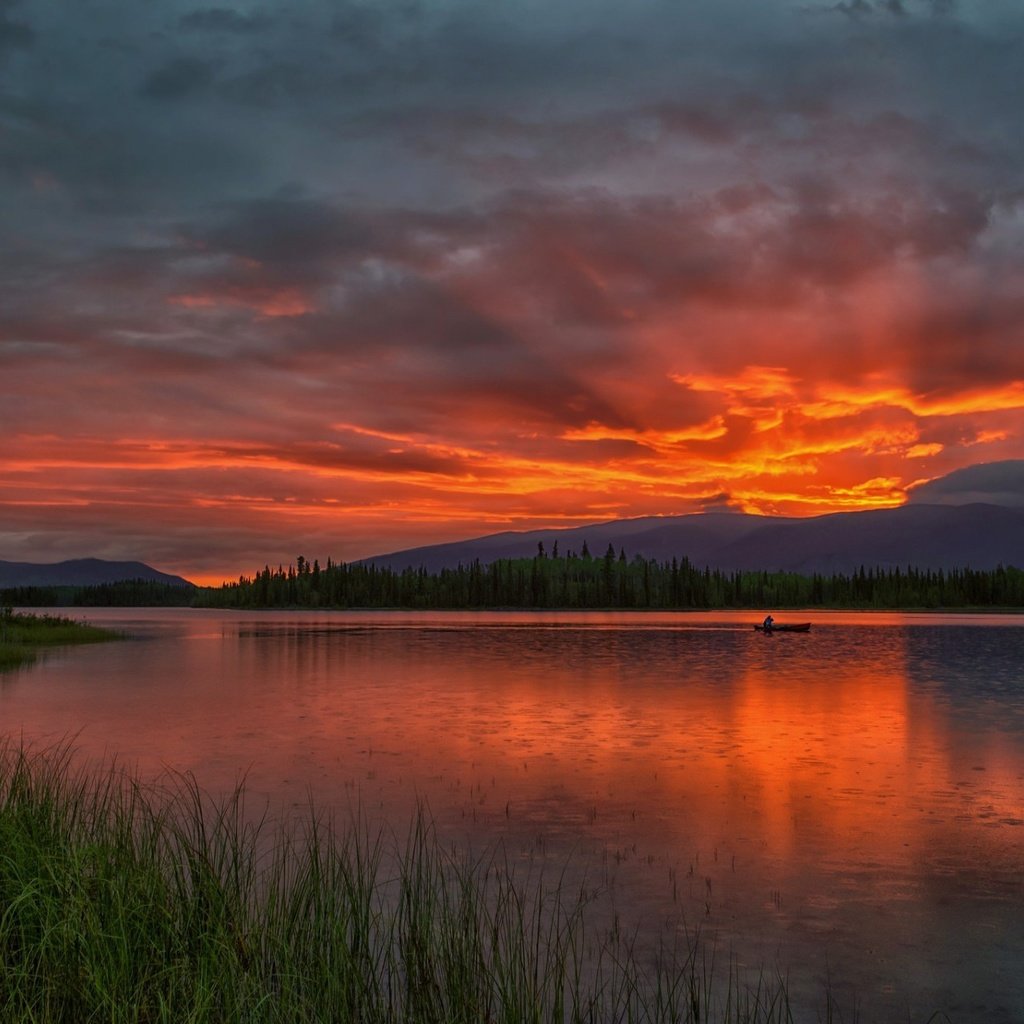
847, 803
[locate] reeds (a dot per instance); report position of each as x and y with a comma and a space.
122, 903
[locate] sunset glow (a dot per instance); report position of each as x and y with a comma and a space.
294, 292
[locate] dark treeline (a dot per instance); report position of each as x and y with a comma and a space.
126, 594
611, 581
554, 581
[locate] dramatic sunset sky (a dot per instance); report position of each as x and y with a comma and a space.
336, 278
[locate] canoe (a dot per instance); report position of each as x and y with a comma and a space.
783, 627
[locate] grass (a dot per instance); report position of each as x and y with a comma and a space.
21, 635
125, 903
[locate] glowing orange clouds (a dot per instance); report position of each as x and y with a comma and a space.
281, 296
268, 302
773, 443
301, 376
838, 401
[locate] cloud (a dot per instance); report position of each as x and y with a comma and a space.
287, 232
14, 35
222, 19
996, 483
862, 8
541, 263
722, 502
178, 78
858, 9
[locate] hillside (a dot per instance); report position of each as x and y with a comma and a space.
980, 536
81, 572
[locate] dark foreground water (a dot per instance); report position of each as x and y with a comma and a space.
845, 807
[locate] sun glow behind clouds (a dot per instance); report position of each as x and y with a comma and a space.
773, 443
275, 302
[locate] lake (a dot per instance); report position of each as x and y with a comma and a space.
845, 807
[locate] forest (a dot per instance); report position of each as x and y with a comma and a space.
551, 580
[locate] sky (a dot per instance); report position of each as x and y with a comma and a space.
339, 278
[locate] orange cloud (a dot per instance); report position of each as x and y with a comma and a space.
990, 436
284, 302
921, 451
838, 401
657, 440
575, 363
773, 441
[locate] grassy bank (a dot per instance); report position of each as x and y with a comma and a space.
22, 635
120, 903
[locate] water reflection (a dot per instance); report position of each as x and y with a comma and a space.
846, 801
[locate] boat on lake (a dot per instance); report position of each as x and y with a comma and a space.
784, 627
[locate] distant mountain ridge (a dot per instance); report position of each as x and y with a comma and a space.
82, 572
979, 536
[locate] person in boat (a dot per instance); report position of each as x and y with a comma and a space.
768, 621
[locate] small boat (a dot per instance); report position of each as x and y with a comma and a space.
785, 627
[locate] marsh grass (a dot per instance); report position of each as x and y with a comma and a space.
125, 903
21, 635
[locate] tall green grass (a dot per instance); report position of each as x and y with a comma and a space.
22, 634
122, 903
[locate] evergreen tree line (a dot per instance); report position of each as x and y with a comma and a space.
612, 581
554, 581
125, 594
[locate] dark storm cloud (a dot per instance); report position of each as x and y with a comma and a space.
860, 8
14, 33
500, 99
179, 77
998, 483
290, 232
722, 502
962, 334
370, 27
222, 19
502, 148
895, 8
586, 259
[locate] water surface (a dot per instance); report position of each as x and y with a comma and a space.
844, 805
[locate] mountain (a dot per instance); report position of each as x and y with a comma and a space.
979, 536
81, 572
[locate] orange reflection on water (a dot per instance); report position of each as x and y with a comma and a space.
832, 747
856, 791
